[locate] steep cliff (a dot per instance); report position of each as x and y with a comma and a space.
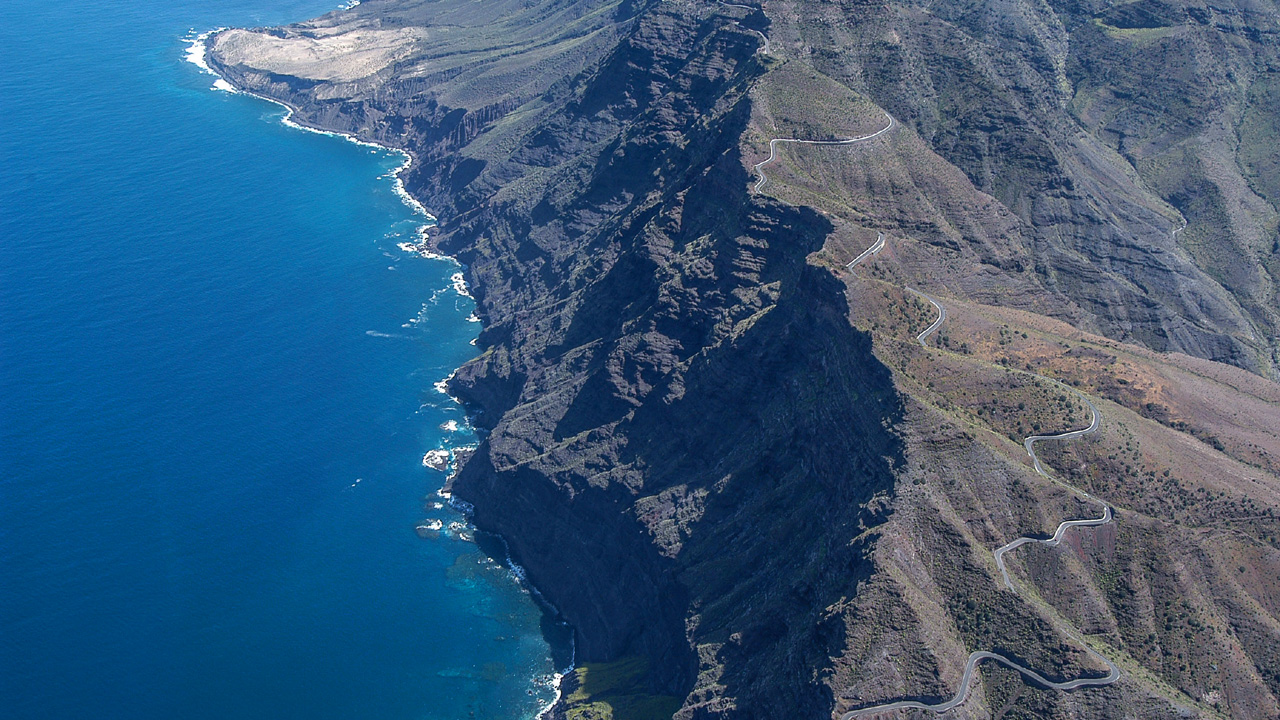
724, 456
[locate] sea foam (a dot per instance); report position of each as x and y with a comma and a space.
198, 49
460, 284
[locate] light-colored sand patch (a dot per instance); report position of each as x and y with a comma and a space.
333, 55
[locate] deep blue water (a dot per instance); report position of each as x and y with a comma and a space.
207, 336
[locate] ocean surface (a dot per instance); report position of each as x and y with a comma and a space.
217, 386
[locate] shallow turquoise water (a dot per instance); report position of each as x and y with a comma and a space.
207, 336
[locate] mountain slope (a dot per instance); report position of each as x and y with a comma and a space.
723, 455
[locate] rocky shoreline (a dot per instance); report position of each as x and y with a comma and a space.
440, 460
626, 600
702, 438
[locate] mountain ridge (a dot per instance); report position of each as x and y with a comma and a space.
722, 454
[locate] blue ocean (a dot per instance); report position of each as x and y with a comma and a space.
217, 386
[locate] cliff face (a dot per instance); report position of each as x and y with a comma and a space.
722, 455
669, 372
663, 370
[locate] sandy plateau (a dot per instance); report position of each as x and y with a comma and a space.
331, 54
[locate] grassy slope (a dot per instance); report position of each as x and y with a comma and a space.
615, 691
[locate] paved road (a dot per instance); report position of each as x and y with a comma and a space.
1182, 225
1030, 442
876, 247
764, 49
976, 657
773, 147
942, 317
966, 681
1051, 542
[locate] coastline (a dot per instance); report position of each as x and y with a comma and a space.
197, 54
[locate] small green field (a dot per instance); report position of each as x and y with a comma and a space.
617, 691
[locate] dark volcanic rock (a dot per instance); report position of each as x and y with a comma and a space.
667, 371
662, 368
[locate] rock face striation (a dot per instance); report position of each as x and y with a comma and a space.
721, 455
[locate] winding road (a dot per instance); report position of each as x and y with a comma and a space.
773, 148
967, 680
764, 49
942, 317
1029, 444
976, 657
876, 247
